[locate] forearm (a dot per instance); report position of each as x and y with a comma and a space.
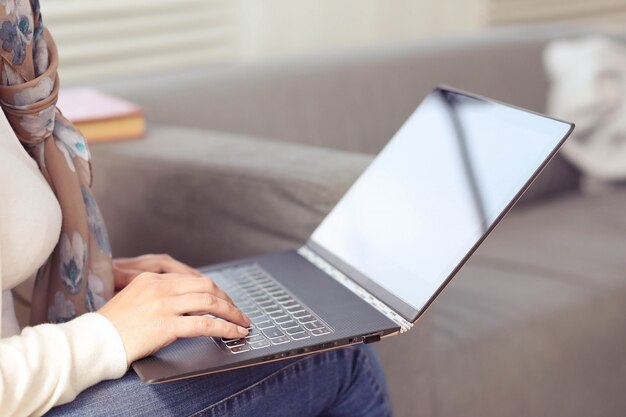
50, 364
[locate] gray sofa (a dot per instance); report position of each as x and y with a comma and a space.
245, 159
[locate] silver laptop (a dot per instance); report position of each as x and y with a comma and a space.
391, 244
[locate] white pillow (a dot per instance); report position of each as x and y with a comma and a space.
588, 87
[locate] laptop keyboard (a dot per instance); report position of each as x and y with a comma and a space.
277, 315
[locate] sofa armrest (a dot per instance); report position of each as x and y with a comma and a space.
205, 197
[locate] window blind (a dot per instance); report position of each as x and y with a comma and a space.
104, 39
503, 12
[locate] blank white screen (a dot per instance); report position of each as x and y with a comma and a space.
434, 190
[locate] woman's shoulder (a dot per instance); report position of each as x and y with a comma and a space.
10, 147
16, 165
28, 211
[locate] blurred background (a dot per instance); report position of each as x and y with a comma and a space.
120, 37
260, 114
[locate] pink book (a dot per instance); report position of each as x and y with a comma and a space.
100, 116
85, 104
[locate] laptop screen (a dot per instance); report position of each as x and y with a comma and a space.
435, 190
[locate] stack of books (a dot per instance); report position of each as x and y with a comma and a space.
100, 116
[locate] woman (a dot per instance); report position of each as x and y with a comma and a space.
50, 224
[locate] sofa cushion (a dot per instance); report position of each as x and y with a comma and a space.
530, 326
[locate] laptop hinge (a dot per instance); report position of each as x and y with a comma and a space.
361, 292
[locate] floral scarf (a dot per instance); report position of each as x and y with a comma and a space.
78, 276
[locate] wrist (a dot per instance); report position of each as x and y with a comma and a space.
117, 337
96, 337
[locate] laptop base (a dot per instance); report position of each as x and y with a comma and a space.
351, 319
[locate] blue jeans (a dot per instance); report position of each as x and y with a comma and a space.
345, 382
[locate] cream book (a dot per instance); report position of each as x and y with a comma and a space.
100, 116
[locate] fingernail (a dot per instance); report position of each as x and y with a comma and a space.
242, 330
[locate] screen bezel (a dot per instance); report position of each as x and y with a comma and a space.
407, 311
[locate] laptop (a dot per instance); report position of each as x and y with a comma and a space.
391, 244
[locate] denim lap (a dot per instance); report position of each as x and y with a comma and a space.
343, 382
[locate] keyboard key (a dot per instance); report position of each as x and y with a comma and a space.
298, 314
291, 305
253, 313
225, 340
242, 302
240, 349
247, 287
268, 304
283, 299
260, 345
239, 303
272, 309
259, 319
253, 330
320, 331
278, 313
305, 319
288, 324
263, 325
246, 307
270, 287
273, 332
255, 338
293, 330
282, 319
313, 325
280, 340
239, 342
299, 336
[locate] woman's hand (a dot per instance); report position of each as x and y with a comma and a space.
156, 309
126, 269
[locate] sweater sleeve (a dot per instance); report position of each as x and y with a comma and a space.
49, 364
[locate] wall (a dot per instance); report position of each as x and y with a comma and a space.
114, 38
285, 27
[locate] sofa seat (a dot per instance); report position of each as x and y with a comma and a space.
533, 325
536, 307
536, 334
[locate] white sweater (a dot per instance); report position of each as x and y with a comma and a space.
49, 364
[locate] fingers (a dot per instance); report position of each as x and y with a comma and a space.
193, 326
124, 276
194, 295
169, 264
157, 263
209, 303
185, 285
